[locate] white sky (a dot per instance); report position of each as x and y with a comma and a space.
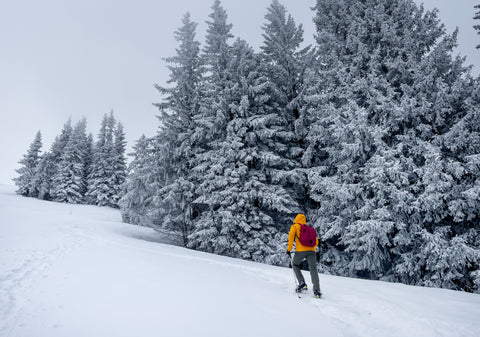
62, 58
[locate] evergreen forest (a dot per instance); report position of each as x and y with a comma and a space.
372, 132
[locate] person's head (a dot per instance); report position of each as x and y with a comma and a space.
300, 219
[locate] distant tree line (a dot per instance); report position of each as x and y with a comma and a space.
76, 170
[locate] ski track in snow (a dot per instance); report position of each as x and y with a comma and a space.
48, 249
32, 264
17, 283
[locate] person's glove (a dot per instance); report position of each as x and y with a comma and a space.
289, 254
318, 256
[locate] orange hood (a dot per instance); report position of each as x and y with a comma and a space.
300, 219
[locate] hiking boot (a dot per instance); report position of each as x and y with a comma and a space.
317, 294
301, 287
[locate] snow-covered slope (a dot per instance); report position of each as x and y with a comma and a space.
71, 270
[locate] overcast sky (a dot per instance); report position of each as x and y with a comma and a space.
62, 59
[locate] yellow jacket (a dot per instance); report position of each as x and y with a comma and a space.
295, 233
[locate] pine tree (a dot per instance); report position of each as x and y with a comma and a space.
89, 153
442, 90
53, 160
69, 181
43, 175
210, 126
283, 59
457, 214
120, 163
210, 122
101, 181
26, 183
340, 138
285, 65
137, 200
176, 139
388, 89
243, 199
47, 168
217, 50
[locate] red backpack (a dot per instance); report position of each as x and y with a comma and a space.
308, 236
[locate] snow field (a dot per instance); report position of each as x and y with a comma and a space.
72, 270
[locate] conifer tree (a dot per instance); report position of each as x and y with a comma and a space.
244, 199
101, 181
210, 128
49, 168
440, 177
210, 122
380, 160
43, 174
26, 182
285, 65
69, 183
174, 199
283, 59
453, 211
89, 148
137, 200
120, 164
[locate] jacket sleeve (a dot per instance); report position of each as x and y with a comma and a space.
291, 237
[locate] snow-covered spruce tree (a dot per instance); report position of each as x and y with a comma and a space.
89, 148
377, 63
120, 162
341, 140
26, 183
173, 202
243, 202
137, 200
391, 37
210, 122
43, 174
451, 204
69, 183
463, 142
48, 167
102, 189
284, 63
441, 100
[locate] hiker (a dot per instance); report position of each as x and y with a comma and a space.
304, 251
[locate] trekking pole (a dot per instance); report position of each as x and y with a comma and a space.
294, 276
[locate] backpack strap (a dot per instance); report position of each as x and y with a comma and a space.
296, 236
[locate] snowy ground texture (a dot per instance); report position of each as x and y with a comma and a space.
72, 270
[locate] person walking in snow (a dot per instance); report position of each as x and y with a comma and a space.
306, 241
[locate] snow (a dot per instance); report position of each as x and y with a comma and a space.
73, 270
